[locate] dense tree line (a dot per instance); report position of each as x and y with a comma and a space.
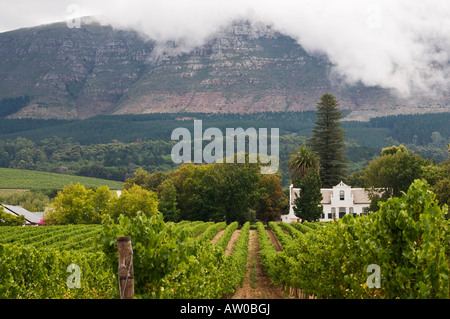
392, 172
33, 200
129, 128
407, 129
113, 161
113, 147
215, 192
434, 150
414, 128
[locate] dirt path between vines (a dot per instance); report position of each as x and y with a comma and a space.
217, 236
257, 283
274, 240
232, 242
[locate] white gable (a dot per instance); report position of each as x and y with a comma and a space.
341, 185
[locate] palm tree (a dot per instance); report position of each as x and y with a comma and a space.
301, 161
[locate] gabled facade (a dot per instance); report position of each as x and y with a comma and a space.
337, 202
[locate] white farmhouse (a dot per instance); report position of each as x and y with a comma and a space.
336, 202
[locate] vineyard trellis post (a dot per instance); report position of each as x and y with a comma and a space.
125, 269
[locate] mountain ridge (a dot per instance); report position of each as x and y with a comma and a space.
70, 73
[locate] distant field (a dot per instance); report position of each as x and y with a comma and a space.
23, 179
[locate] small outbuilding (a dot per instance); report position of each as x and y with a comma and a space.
31, 218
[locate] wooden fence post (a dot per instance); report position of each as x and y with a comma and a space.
126, 272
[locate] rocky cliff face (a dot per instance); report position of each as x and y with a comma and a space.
78, 73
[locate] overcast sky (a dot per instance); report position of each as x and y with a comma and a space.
398, 44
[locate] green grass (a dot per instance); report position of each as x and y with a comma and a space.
23, 179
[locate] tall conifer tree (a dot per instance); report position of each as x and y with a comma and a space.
327, 141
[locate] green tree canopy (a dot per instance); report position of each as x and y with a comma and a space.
392, 173
271, 198
439, 178
307, 206
237, 189
226, 192
393, 149
300, 162
168, 201
133, 200
77, 205
217, 192
146, 180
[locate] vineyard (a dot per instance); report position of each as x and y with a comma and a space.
408, 239
181, 260
26, 179
71, 237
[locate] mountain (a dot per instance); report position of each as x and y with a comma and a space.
53, 71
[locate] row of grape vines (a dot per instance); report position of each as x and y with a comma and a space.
75, 237
70, 237
172, 260
402, 251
